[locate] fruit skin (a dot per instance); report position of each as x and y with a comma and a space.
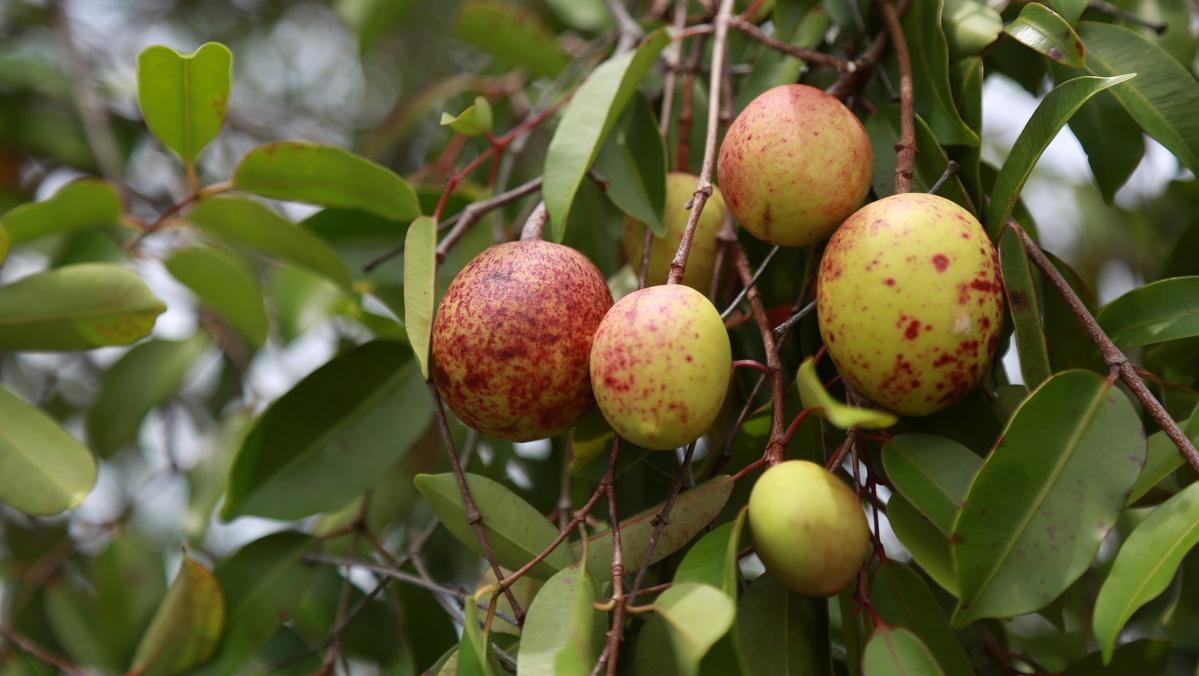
512, 337
794, 164
910, 302
702, 259
808, 527
660, 366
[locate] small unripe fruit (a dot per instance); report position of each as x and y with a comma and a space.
794, 164
512, 338
910, 302
660, 366
698, 275
808, 528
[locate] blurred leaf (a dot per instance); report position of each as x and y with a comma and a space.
883, 129
928, 546
782, 633
284, 654
46, 470
930, 57
420, 276
563, 632
300, 171
1162, 459
183, 96
5, 243
1145, 564
145, 377
474, 121
932, 472
903, 600
1046, 497
301, 299
80, 205
373, 19
513, 35
1138, 657
243, 221
77, 307
696, 616
585, 15
224, 282
1164, 310
1024, 304
633, 162
1043, 30
892, 651
1070, 10
475, 656
814, 396
331, 436
208, 478
970, 26
590, 115
592, 438
1047, 120
187, 626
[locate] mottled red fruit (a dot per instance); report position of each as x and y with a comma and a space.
512, 338
794, 164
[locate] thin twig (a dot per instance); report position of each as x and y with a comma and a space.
682, 161
32, 648
865, 64
775, 446
630, 32
618, 597
905, 149
782, 329
753, 280
807, 55
951, 170
673, 56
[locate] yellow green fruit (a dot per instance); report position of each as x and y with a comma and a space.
660, 366
808, 528
698, 275
910, 302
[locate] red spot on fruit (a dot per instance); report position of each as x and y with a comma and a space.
941, 262
913, 330
889, 282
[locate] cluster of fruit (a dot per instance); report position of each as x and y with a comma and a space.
909, 301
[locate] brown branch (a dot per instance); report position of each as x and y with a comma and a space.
629, 31
905, 150
672, 67
618, 597
807, 55
775, 446
29, 646
662, 518
1111, 354
682, 158
865, 64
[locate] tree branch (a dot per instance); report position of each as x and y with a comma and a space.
775, 446
30, 647
807, 55
905, 158
630, 32
618, 597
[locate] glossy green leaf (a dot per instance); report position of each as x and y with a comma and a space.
475, 656
299, 171
1042, 30
1054, 111
903, 600
420, 276
1164, 96
1167, 309
633, 162
814, 396
187, 626
224, 282
563, 631
1046, 497
970, 26
77, 307
1162, 459
331, 436
1024, 304
1138, 657
145, 377
183, 96
882, 127
474, 121
1070, 10
1112, 140
515, 530
928, 546
1146, 563
696, 616
930, 57
898, 652
932, 472
713, 560
590, 115
78, 206
43, 469
242, 221
513, 35
782, 633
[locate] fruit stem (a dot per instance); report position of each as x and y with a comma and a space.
905, 150
535, 224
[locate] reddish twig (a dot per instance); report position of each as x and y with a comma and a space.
32, 648
905, 150
775, 446
864, 65
673, 56
682, 159
807, 55
618, 597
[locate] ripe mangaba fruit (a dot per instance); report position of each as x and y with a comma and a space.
808, 527
794, 164
512, 338
660, 366
910, 302
698, 275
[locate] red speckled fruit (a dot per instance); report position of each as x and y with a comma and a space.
512, 337
910, 302
794, 164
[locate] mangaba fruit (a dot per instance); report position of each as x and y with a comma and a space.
794, 164
700, 262
910, 302
808, 528
660, 366
512, 338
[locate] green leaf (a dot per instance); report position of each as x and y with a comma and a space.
45, 470
692, 512
563, 630
299, 171
224, 282
633, 162
331, 436
1024, 304
78, 206
420, 276
970, 26
782, 633
903, 600
1164, 96
898, 652
183, 96
252, 224
513, 35
1112, 140
76, 307
187, 626
1070, 10
882, 127
5, 243
814, 396
475, 656
591, 114
585, 15
713, 560
932, 472
930, 57
1167, 309
474, 121
1146, 563
1162, 459
1043, 30
695, 616
928, 545
1046, 497
515, 530
145, 377
1047, 120
1138, 657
